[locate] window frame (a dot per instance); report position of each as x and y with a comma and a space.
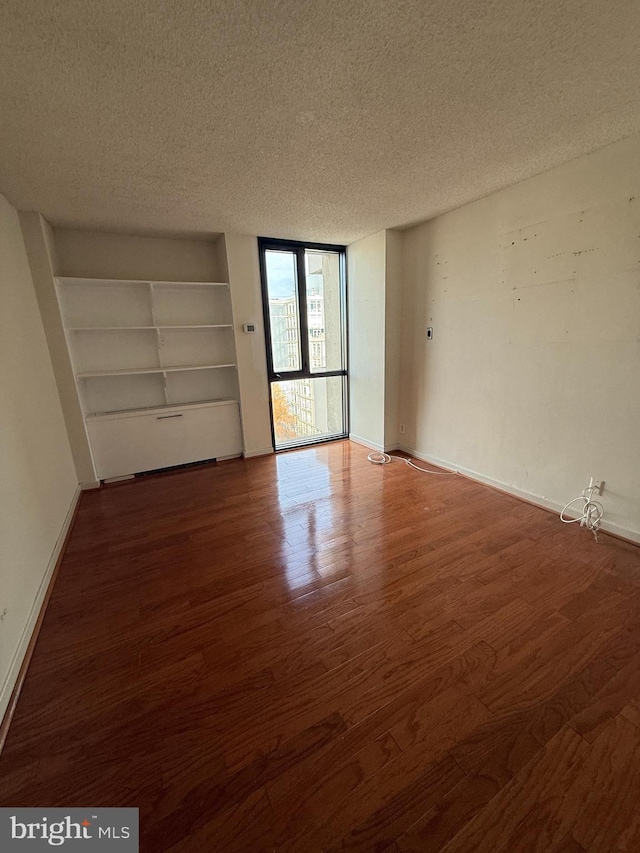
299, 247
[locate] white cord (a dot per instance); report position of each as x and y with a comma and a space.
592, 511
380, 458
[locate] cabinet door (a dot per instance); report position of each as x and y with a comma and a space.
135, 442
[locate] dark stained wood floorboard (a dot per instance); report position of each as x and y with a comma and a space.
312, 653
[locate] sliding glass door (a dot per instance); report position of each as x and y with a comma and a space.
303, 290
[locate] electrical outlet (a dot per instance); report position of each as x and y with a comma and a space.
595, 485
401, 429
3, 614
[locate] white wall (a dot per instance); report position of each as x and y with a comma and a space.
533, 376
99, 254
246, 299
366, 277
38, 484
44, 262
392, 338
374, 278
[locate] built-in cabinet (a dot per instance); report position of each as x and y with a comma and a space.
159, 438
155, 368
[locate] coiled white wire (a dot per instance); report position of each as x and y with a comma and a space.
592, 511
380, 458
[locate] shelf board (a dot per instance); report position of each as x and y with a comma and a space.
118, 282
179, 284
146, 328
110, 328
194, 404
132, 371
92, 282
200, 326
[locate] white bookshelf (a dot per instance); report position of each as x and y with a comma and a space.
117, 329
141, 346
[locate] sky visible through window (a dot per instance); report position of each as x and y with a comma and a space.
279, 274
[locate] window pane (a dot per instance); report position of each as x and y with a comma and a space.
282, 289
307, 409
324, 309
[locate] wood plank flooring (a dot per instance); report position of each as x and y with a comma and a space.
312, 653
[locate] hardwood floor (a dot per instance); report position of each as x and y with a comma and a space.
309, 653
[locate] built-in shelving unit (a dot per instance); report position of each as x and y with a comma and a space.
155, 368
136, 344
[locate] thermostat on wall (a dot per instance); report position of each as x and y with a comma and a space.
249, 327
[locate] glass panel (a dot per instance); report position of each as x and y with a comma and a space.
324, 310
282, 289
307, 409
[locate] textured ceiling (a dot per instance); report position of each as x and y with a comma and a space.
316, 119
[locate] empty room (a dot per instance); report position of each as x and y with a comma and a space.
320, 426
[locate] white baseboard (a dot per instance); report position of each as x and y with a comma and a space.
14, 670
387, 448
365, 442
265, 451
93, 484
538, 500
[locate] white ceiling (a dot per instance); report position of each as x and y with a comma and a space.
312, 119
